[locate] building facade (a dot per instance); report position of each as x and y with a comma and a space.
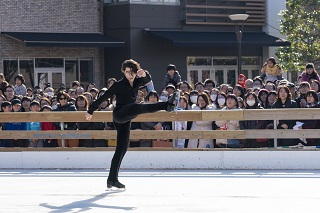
195, 35
53, 42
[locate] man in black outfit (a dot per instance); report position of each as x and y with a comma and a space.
126, 109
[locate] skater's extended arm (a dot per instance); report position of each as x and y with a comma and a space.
107, 94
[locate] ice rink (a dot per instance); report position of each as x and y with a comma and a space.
160, 191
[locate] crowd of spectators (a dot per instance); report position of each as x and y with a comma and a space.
268, 91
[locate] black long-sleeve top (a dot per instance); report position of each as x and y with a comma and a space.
124, 92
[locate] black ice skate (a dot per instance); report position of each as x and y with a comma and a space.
116, 184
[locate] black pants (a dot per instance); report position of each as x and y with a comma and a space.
122, 117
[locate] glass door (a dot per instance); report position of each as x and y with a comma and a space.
56, 77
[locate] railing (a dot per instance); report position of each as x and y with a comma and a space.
216, 12
207, 115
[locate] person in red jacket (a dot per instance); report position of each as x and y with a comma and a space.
45, 126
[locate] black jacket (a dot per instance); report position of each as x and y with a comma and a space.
124, 92
67, 125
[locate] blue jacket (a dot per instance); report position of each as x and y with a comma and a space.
15, 126
33, 126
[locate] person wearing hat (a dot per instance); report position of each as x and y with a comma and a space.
310, 73
302, 91
172, 77
170, 89
16, 105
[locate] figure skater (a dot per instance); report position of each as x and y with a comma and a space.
126, 109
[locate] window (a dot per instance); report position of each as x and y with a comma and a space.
71, 71
10, 69
49, 63
27, 70
86, 72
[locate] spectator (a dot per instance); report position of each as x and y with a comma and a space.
82, 104
315, 85
34, 126
25, 101
284, 101
6, 107
89, 97
16, 106
257, 83
271, 71
184, 86
238, 91
252, 103
9, 92
193, 98
312, 102
3, 82
224, 88
181, 125
199, 86
271, 98
242, 80
270, 86
172, 77
75, 85
110, 82
91, 86
30, 92
310, 73
292, 89
152, 97
94, 92
221, 100
231, 104
20, 88
2, 99
163, 96
213, 97
63, 106
140, 97
240, 103
209, 84
46, 126
170, 89
303, 89
44, 102
202, 104
262, 96
248, 84
144, 90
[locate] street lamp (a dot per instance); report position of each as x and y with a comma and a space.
239, 20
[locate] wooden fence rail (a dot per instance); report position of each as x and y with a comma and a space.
272, 114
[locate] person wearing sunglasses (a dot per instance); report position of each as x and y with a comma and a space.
62, 106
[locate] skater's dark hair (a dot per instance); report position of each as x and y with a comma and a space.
132, 64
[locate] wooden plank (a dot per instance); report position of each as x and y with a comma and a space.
282, 114
282, 133
97, 116
223, 134
217, 115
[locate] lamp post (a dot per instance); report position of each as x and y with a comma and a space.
239, 20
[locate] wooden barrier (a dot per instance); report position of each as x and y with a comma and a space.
272, 114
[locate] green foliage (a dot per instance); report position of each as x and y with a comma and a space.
301, 26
